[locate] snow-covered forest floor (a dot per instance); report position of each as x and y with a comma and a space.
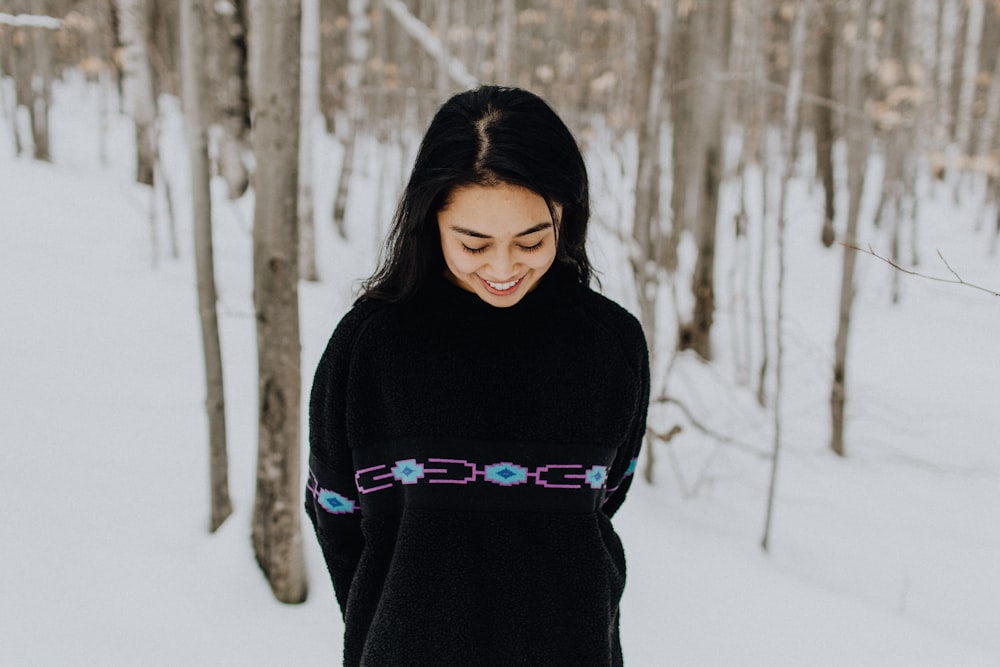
887, 557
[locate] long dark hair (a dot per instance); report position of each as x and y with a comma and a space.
486, 136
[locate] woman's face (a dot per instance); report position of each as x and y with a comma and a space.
498, 241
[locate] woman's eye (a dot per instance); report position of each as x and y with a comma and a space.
474, 251
533, 247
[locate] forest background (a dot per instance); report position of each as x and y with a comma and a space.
737, 150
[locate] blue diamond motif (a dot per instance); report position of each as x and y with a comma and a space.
408, 471
506, 474
334, 503
596, 477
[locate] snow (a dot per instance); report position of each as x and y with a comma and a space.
887, 557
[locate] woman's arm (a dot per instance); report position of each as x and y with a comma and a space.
331, 494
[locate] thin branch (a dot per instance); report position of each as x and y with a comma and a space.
715, 435
957, 281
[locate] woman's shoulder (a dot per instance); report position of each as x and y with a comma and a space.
613, 315
354, 323
618, 324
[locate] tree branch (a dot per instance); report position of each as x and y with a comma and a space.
419, 31
715, 435
31, 21
958, 280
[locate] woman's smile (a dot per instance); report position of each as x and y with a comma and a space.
497, 240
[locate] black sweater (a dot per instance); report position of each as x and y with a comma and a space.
465, 462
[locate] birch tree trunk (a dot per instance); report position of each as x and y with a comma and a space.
793, 100
858, 143
41, 86
696, 333
357, 44
970, 69
277, 536
194, 95
947, 29
647, 228
505, 29
141, 95
309, 116
226, 61
824, 119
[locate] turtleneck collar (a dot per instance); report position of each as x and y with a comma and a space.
554, 287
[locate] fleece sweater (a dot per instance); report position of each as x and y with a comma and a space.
465, 461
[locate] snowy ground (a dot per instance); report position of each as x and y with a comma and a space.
888, 557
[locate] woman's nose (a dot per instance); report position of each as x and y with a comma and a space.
502, 264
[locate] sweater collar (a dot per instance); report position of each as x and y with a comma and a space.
555, 287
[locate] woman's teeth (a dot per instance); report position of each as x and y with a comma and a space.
500, 287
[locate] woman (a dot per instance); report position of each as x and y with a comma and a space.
475, 419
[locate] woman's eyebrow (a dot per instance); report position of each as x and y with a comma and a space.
471, 232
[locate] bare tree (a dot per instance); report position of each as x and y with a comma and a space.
196, 118
858, 143
793, 100
824, 117
310, 114
713, 21
358, 53
648, 228
139, 84
226, 63
970, 70
277, 536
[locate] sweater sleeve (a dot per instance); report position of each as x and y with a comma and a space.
331, 494
622, 470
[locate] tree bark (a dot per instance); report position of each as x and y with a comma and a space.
134, 28
226, 58
824, 119
309, 116
858, 145
647, 228
277, 536
358, 47
696, 333
41, 86
793, 99
193, 86
970, 70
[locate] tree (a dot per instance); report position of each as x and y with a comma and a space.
793, 100
139, 84
310, 113
858, 144
196, 118
277, 537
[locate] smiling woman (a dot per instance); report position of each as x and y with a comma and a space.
493, 243
475, 418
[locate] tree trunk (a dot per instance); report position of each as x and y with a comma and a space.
505, 30
947, 29
970, 70
192, 57
41, 86
277, 536
134, 27
309, 116
824, 119
358, 48
696, 333
226, 61
858, 145
647, 228
793, 99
